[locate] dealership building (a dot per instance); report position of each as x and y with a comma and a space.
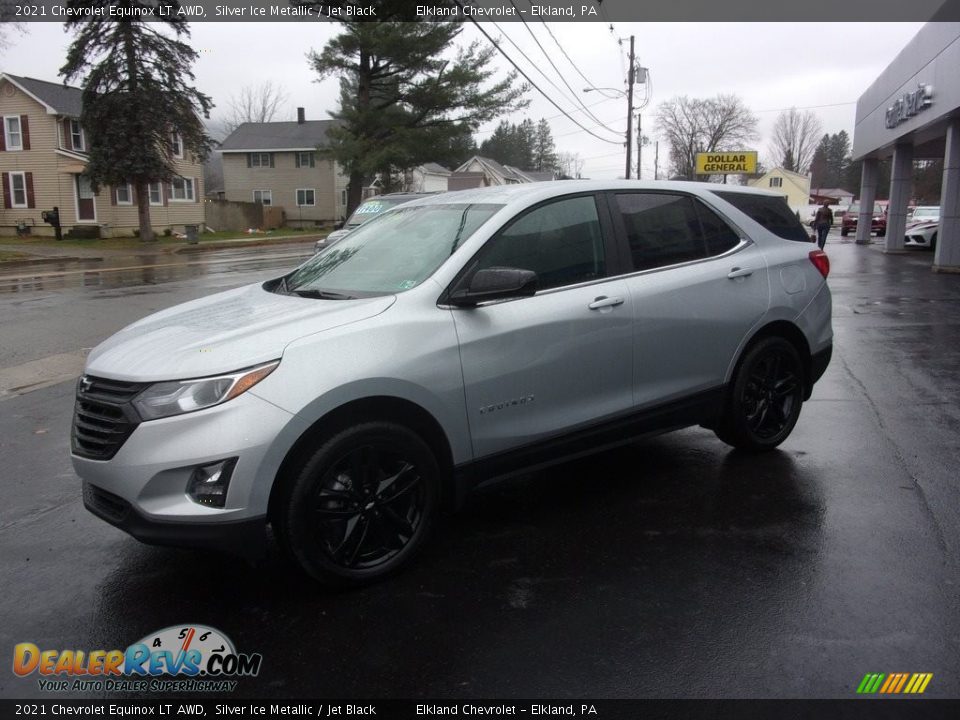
912, 112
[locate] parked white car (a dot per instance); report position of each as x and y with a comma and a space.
922, 227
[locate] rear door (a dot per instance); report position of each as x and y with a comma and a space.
538, 366
696, 291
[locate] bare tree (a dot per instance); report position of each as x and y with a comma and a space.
795, 138
8, 26
695, 125
570, 164
254, 103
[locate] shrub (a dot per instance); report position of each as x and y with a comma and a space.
83, 232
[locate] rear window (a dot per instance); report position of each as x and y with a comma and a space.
771, 212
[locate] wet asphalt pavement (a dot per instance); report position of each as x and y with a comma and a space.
673, 567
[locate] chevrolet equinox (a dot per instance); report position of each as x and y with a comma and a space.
444, 344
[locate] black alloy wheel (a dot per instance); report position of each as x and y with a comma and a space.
764, 401
362, 504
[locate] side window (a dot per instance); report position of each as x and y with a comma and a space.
719, 236
662, 229
561, 242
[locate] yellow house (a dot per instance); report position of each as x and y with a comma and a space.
43, 155
793, 186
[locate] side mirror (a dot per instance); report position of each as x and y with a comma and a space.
497, 283
339, 225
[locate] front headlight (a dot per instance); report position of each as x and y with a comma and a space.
176, 397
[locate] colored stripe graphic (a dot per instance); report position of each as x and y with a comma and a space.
870, 683
903, 680
894, 683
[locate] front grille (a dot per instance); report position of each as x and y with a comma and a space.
109, 506
103, 417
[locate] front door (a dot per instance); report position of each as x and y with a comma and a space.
86, 200
539, 366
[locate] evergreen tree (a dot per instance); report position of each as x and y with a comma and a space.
788, 161
528, 146
830, 166
137, 99
544, 151
401, 94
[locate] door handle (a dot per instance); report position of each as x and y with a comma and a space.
740, 272
605, 302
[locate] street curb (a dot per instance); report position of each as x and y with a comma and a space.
232, 244
46, 260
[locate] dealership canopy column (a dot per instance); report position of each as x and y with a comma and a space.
948, 254
868, 195
912, 112
901, 183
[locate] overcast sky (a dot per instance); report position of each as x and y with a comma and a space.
821, 66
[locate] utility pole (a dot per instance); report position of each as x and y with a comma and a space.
639, 146
656, 160
630, 109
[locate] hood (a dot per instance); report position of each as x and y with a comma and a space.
923, 225
221, 333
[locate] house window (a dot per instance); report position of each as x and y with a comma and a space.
260, 160
124, 194
306, 196
343, 197
176, 145
776, 182
76, 136
156, 193
305, 159
13, 136
264, 197
18, 189
182, 189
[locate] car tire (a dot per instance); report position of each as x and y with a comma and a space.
361, 505
844, 232
764, 399
933, 241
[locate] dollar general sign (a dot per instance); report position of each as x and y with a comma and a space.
722, 163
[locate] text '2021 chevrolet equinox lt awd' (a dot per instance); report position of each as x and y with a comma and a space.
449, 342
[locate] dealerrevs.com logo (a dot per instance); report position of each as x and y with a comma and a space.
180, 658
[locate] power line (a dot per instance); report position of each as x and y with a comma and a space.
532, 83
552, 117
807, 107
545, 77
574, 132
585, 78
555, 68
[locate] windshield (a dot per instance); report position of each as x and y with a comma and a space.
921, 212
372, 208
394, 252
855, 209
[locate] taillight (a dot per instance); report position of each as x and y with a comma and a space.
820, 261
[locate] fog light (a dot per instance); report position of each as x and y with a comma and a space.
208, 483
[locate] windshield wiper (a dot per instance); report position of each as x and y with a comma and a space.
323, 295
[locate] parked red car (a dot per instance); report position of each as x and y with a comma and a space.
878, 224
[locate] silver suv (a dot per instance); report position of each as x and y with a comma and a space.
446, 343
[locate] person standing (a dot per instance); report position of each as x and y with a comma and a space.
822, 222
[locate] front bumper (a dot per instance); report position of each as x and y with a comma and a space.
143, 488
244, 538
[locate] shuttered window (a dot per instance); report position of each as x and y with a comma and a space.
12, 132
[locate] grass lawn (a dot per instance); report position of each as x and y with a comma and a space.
132, 243
6, 255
